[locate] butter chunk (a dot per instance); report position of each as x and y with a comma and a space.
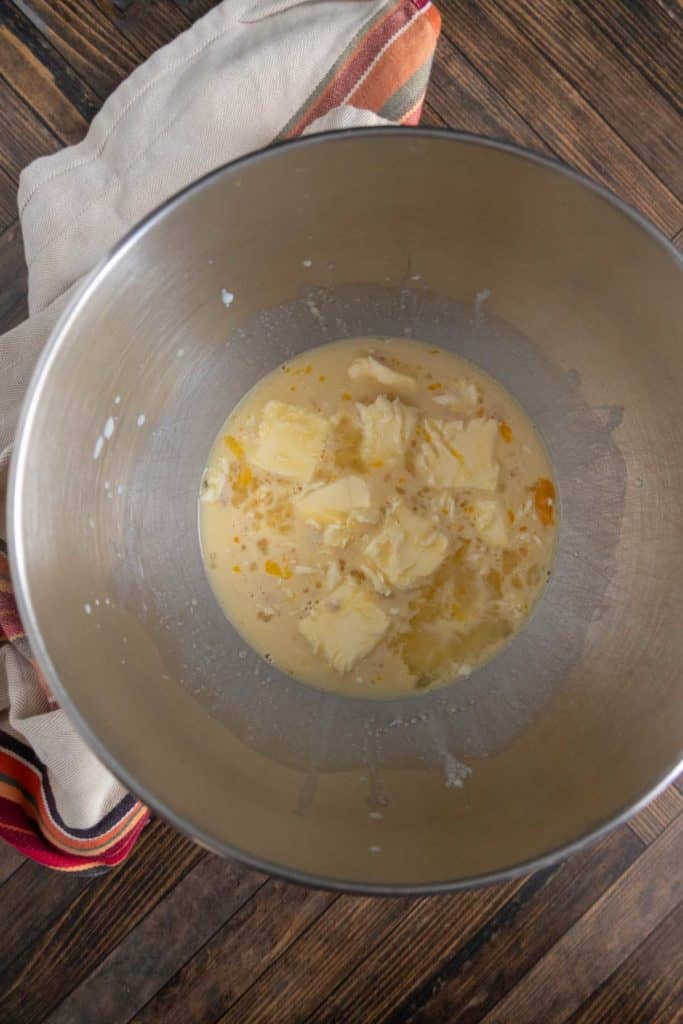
407, 549
387, 427
334, 502
489, 521
369, 368
465, 397
455, 454
345, 627
290, 441
214, 482
336, 535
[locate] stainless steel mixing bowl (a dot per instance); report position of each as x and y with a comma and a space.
544, 280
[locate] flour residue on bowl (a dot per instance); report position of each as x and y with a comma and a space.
377, 517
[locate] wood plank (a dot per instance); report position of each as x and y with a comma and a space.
237, 955
597, 69
8, 200
166, 939
94, 923
24, 136
497, 957
349, 967
196, 8
672, 8
101, 56
467, 102
32, 899
602, 939
12, 271
431, 118
338, 941
41, 76
658, 815
648, 986
10, 861
648, 35
144, 31
678, 242
13, 317
551, 105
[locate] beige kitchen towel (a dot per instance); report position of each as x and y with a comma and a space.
248, 73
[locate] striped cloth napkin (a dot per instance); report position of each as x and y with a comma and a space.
248, 73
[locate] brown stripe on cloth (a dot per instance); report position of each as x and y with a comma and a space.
406, 53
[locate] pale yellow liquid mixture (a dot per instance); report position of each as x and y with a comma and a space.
377, 517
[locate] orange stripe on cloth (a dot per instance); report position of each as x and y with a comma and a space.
112, 853
32, 845
404, 54
23, 785
351, 65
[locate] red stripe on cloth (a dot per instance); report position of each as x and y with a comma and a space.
25, 818
20, 832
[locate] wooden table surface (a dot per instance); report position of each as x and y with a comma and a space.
177, 936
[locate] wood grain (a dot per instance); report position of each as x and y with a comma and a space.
602, 939
240, 952
24, 136
13, 317
431, 117
195, 8
87, 41
570, 126
498, 957
10, 861
32, 900
8, 199
648, 986
370, 946
466, 101
43, 79
651, 39
339, 941
144, 33
598, 70
80, 937
658, 815
12, 274
137, 969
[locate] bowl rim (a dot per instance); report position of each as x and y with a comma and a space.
17, 545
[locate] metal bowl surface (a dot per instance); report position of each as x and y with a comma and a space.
548, 283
